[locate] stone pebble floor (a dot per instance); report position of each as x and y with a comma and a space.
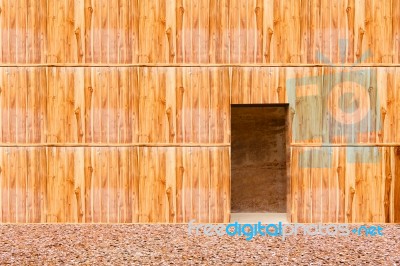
143, 244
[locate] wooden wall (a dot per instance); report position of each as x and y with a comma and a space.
114, 184
355, 184
49, 115
107, 106
115, 105
344, 135
199, 31
114, 144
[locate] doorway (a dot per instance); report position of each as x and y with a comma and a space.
259, 152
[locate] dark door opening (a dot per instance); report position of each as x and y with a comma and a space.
259, 158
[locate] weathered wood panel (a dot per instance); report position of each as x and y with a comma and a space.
145, 184
164, 31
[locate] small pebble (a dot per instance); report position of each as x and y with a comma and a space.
169, 244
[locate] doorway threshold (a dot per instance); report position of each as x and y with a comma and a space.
264, 218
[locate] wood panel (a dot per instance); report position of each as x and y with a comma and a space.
343, 107
114, 105
344, 184
164, 31
23, 185
146, 184
23, 31
330, 105
52, 185
23, 101
191, 105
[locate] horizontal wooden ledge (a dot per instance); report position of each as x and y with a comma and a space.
89, 145
202, 65
319, 145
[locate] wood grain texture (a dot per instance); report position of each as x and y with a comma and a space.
171, 106
164, 31
24, 185
343, 121
114, 105
324, 110
125, 185
68, 106
360, 188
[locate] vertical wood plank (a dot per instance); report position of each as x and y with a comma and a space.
12, 30
187, 183
235, 28
114, 186
243, 52
179, 186
96, 197
114, 31
396, 185
134, 173
195, 189
226, 185
124, 189
94, 11
104, 185
171, 184
125, 54
4, 32
195, 97
204, 185
187, 105
113, 107
396, 31
22, 31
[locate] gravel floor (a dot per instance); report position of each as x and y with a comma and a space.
170, 244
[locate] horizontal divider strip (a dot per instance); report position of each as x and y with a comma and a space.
89, 145
202, 65
344, 145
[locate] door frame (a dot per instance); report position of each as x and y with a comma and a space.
287, 150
